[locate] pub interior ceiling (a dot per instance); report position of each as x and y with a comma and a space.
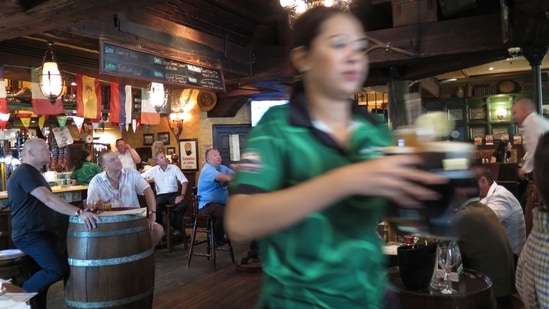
245, 38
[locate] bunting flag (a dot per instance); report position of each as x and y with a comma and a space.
41, 105
3, 100
78, 121
25, 119
148, 114
41, 121
62, 121
88, 97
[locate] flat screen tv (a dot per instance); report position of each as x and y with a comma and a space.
259, 107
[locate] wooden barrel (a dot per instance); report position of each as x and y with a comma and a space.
111, 266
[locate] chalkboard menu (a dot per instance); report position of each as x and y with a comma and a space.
121, 61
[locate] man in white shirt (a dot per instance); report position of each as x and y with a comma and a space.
127, 155
120, 186
167, 178
525, 115
506, 207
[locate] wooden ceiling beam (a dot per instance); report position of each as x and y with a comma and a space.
53, 14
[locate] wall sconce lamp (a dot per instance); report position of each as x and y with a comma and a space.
501, 113
50, 79
176, 123
158, 96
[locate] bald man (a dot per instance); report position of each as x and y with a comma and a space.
33, 209
525, 115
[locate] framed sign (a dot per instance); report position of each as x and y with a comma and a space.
188, 150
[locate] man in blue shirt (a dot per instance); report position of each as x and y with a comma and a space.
213, 192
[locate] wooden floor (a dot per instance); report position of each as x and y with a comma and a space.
227, 288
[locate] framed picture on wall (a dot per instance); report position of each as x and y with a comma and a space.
455, 114
148, 139
164, 137
477, 113
477, 132
188, 150
170, 151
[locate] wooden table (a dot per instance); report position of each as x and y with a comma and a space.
474, 292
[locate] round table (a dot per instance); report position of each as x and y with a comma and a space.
474, 292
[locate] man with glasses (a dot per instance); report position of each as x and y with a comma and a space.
119, 186
34, 210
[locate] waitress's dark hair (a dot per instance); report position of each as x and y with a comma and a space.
305, 29
83, 155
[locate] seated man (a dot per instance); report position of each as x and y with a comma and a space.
213, 191
120, 186
506, 207
484, 247
167, 178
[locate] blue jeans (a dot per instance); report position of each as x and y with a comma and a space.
42, 248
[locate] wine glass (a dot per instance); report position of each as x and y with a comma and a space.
447, 258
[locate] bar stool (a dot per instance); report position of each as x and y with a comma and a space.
204, 224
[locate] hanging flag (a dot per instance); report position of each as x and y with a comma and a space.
128, 107
3, 100
148, 114
88, 97
41, 105
118, 97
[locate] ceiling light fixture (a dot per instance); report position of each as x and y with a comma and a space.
51, 81
298, 7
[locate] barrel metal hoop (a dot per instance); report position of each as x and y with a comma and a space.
110, 303
109, 219
113, 261
94, 233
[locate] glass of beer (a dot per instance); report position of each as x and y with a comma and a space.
448, 159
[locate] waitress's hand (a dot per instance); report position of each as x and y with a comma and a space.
394, 177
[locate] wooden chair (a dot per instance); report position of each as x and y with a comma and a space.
204, 224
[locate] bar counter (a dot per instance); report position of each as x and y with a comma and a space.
70, 193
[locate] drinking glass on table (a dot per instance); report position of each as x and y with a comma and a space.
448, 257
